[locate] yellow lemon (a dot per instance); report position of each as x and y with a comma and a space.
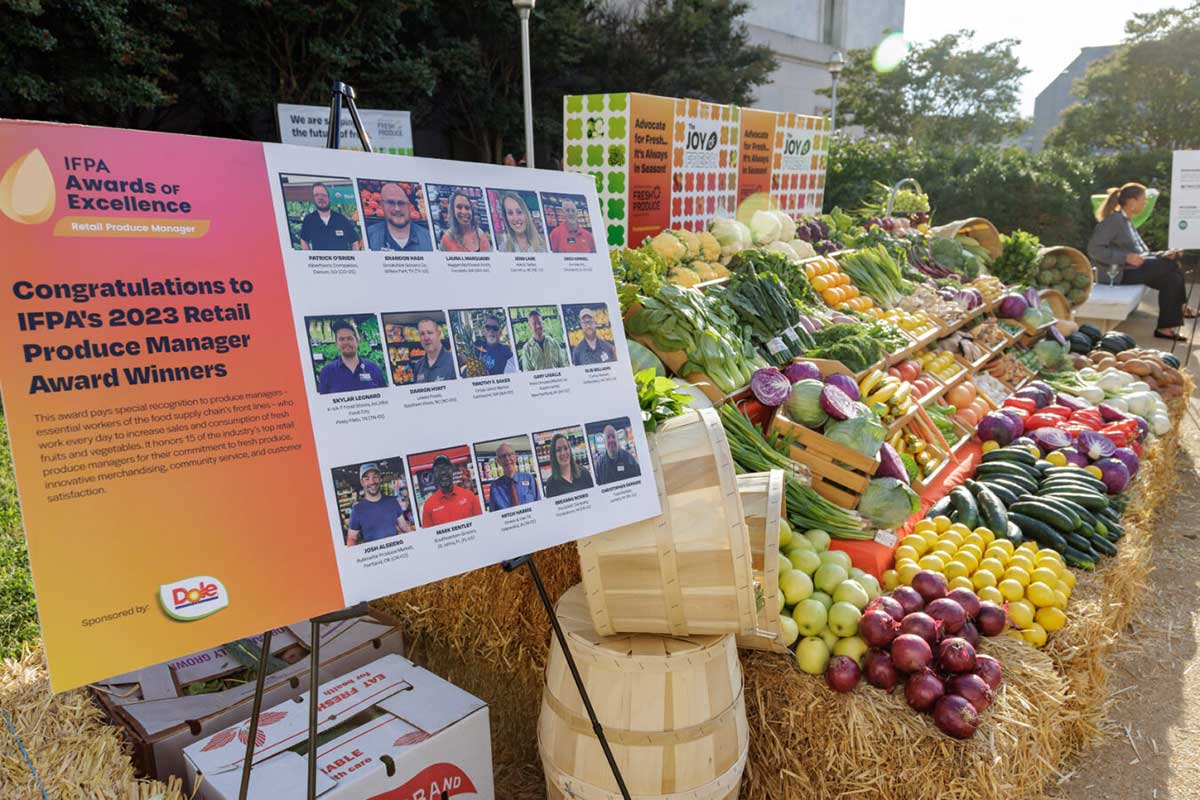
1060, 600
973, 549
1021, 560
975, 538
917, 542
1057, 459
907, 551
992, 565
945, 549
1061, 586
1018, 574
1033, 451
925, 525
989, 446
1011, 589
1068, 578
933, 562
942, 523
956, 569
1051, 618
1051, 557
1003, 544
1013, 633
983, 578
1045, 575
987, 534
906, 572
962, 583
952, 536
1021, 613
1035, 634
971, 561
960, 529
1089, 469
891, 579
930, 537
990, 593
1040, 594
1028, 547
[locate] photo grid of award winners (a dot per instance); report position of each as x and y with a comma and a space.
371, 350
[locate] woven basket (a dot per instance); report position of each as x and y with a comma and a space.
1079, 263
978, 229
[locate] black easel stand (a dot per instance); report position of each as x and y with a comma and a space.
341, 93
597, 728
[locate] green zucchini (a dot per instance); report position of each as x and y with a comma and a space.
1080, 543
1076, 559
1039, 531
1103, 546
1013, 482
1047, 514
992, 511
1017, 455
1002, 493
1090, 501
939, 509
1014, 533
1056, 504
964, 503
1008, 468
1077, 475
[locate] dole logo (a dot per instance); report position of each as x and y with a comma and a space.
435, 782
193, 598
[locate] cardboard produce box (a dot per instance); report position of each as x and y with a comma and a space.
388, 730
162, 713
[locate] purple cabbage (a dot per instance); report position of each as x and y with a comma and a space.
1036, 395
1048, 439
1074, 457
1143, 427
1030, 295
1012, 307
770, 386
996, 427
1130, 459
1095, 446
1111, 413
1072, 402
835, 403
1114, 473
802, 370
1058, 337
1015, 416
890, 464
846, 384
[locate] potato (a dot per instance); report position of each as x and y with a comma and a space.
1136, 367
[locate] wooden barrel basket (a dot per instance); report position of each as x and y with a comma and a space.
672, 710
688, 570
1075, 262
763, 502
978, 229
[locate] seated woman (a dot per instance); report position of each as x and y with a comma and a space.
1116, 242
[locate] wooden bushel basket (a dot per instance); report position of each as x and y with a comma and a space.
672, 710
764, 503
688, 570
978, 229
1079, 264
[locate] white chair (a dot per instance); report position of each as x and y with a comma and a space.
1109, 306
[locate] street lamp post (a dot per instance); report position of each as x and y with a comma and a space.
837, 62
524, 7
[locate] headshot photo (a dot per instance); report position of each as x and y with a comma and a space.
538, 337
482, 342
460, 220
569, 223
445, 485
614, 453
507, 472
517, 221
589, 334
562, 457
418, 347
373, 500
322, 213
395, 215
347, 353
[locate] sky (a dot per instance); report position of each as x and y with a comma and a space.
1051, 31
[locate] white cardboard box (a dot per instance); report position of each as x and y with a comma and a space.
407, 735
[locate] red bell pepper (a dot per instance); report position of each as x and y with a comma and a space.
1073, 429
1042, 420
1021, 404
1058, 411
1116, 437
1136, 447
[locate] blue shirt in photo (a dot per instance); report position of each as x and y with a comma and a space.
337, 377
419, 239
502, 491
376, 520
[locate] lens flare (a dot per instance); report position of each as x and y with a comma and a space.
890, 52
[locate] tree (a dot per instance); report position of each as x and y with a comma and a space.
1144, 94
943, 91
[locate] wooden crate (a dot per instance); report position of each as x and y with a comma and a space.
764, 503
672, 709
839, 474
688, 570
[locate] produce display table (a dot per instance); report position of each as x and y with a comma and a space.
1110, 305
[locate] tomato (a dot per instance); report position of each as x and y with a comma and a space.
960, 396
980, 407
967, 417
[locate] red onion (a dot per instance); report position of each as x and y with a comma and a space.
967, 599
879, 670
971, 634
908, 598
842, 674
989, 669
911, 653
877, 628
949, 613
973, 688
991, 619
955, 716
956, 655
923, 690
889, 604
921, 624
931, 585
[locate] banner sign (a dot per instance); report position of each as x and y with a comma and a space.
668, 163
389, 131
1185, 201
249, 383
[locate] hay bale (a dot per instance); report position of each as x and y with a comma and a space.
487, 632
76, 753
808, 741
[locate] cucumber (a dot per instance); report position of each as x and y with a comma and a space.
1060, 506
1015, 455
1002, 493
1047, 514
1086, 481
1012, 481
1079, 476
1014, 533
964, 504
1042, 465
1111, 513
1080, 543
1076, 559
1008, 468
1090, 501
1103, 546
992, 511
1039, 531
1084, 515
939, 509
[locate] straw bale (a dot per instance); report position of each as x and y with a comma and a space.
811, 742
76, 753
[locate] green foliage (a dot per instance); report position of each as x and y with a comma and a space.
1018, 260
658, 398
18, 612
1144, 94
943, 91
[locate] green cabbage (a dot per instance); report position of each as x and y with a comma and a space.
888, 502
804, 405
864, 433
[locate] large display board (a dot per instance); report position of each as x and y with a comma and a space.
389, 131
246, 384
669, 163
1184, 232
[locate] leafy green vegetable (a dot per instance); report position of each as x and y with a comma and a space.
888, 502
658, 398
864, 433
1018, 261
